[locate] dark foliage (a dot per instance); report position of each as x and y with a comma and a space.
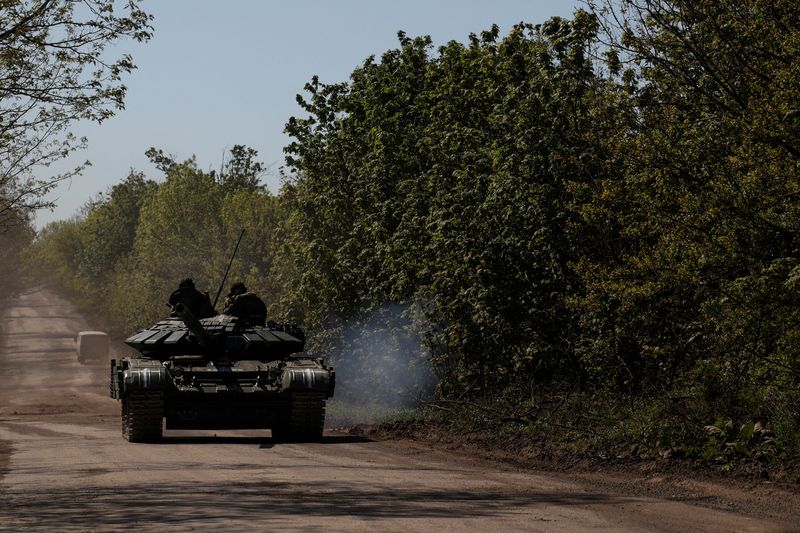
614, 236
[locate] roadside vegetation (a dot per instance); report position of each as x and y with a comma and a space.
59, 64
587, 230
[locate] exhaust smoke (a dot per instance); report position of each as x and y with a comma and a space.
382, 365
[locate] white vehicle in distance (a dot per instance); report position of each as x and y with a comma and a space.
91, 346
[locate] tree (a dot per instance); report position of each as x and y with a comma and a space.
177, 236
705, 200
241, 171
56, 255
445, 179
55, 69
109, 230
15, 238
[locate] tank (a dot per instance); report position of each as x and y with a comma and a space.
222, 372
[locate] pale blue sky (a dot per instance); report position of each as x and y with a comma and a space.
220, 73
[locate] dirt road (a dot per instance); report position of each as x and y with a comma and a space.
64, 465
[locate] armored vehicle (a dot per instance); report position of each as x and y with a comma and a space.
223, 372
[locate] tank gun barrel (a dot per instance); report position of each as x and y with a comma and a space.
193, 325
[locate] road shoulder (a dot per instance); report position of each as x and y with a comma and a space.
669, 481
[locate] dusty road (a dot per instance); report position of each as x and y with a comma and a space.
64, 465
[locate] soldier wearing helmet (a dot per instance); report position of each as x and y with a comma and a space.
195, 301
245, 305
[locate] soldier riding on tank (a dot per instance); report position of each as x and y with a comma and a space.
245, 305
197, 302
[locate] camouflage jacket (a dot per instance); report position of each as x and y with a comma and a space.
247, 306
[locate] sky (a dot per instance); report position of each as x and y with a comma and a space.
218, 73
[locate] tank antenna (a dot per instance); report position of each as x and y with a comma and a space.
227, 270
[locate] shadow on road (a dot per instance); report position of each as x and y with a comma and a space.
44, 351
263, 442
38, 335
277, 503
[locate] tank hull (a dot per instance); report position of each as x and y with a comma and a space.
224, 411
220, 372
192, 393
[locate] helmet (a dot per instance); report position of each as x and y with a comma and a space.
238, 286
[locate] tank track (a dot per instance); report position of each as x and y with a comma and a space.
304, 419
142, 413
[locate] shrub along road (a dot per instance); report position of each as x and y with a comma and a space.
63, 464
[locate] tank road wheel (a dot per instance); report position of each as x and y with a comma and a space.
303, 420
142, 413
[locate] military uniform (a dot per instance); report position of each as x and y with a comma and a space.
195, 301
247, 306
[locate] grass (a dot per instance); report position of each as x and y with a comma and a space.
341, 413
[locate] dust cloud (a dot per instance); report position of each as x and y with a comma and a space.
382, 365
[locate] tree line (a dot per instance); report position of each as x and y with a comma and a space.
58, 66
605, 205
